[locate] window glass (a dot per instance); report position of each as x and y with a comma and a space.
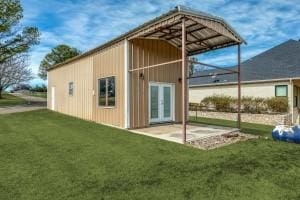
71, 85
281, 90
102, 92
167, 101
107, 91
111, 91
154, 101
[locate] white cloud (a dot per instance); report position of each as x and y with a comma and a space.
86, 24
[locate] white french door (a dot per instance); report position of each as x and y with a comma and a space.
161, 102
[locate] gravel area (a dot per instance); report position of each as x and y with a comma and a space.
216, 141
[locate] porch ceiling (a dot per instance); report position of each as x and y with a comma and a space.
204, 32
296, 82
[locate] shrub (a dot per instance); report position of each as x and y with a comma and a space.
193, 106
248, 104
253, 105
277, 104
218, 102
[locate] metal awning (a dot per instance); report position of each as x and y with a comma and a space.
205, 32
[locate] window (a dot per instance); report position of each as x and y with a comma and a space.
107, 91
281, 90
295, 101
71, 88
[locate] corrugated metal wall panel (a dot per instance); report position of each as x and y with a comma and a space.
145, 52
80, 73
110, 62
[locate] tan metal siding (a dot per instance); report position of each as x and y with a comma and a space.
80, 73
110, 62
145, 52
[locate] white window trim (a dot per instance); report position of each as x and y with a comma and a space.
107, 107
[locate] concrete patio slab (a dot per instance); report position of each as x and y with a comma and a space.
173, 132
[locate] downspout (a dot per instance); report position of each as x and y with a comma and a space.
126, 86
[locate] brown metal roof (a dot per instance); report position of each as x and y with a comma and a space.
205, 32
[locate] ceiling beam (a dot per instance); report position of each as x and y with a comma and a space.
204, 39
204, 44
189, 26
161, 28
188, 32
220, 46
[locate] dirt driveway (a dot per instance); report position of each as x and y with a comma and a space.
33, 103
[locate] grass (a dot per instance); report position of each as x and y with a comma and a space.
10, 100
46, 155
252, 128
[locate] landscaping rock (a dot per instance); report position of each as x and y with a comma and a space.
220, 140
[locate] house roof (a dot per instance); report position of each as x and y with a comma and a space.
205, 32
279, 62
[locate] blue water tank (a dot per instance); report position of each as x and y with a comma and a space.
287, 134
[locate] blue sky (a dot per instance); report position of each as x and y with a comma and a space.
84, 24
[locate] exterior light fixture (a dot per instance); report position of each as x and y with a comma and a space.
142, 76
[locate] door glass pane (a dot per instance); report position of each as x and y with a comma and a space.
167, 102
154, 102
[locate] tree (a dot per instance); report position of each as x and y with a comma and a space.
39, 88
192, 65
21, 86
14, 71
57, 55
14, 39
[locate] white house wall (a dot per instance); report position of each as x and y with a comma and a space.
267, 89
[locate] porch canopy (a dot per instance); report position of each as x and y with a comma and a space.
204, 32
193, 32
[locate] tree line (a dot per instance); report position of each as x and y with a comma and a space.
15, 43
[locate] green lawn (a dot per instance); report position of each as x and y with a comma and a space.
10, 100
45, 155
256, 129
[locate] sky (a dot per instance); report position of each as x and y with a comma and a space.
85, 24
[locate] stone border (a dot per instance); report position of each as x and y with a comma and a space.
217, 141
268, 119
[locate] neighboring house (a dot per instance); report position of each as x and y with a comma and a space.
273, 73
136, 79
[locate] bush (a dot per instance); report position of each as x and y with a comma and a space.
253, 105
248, 104
218, 102
278, 104
194, 106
